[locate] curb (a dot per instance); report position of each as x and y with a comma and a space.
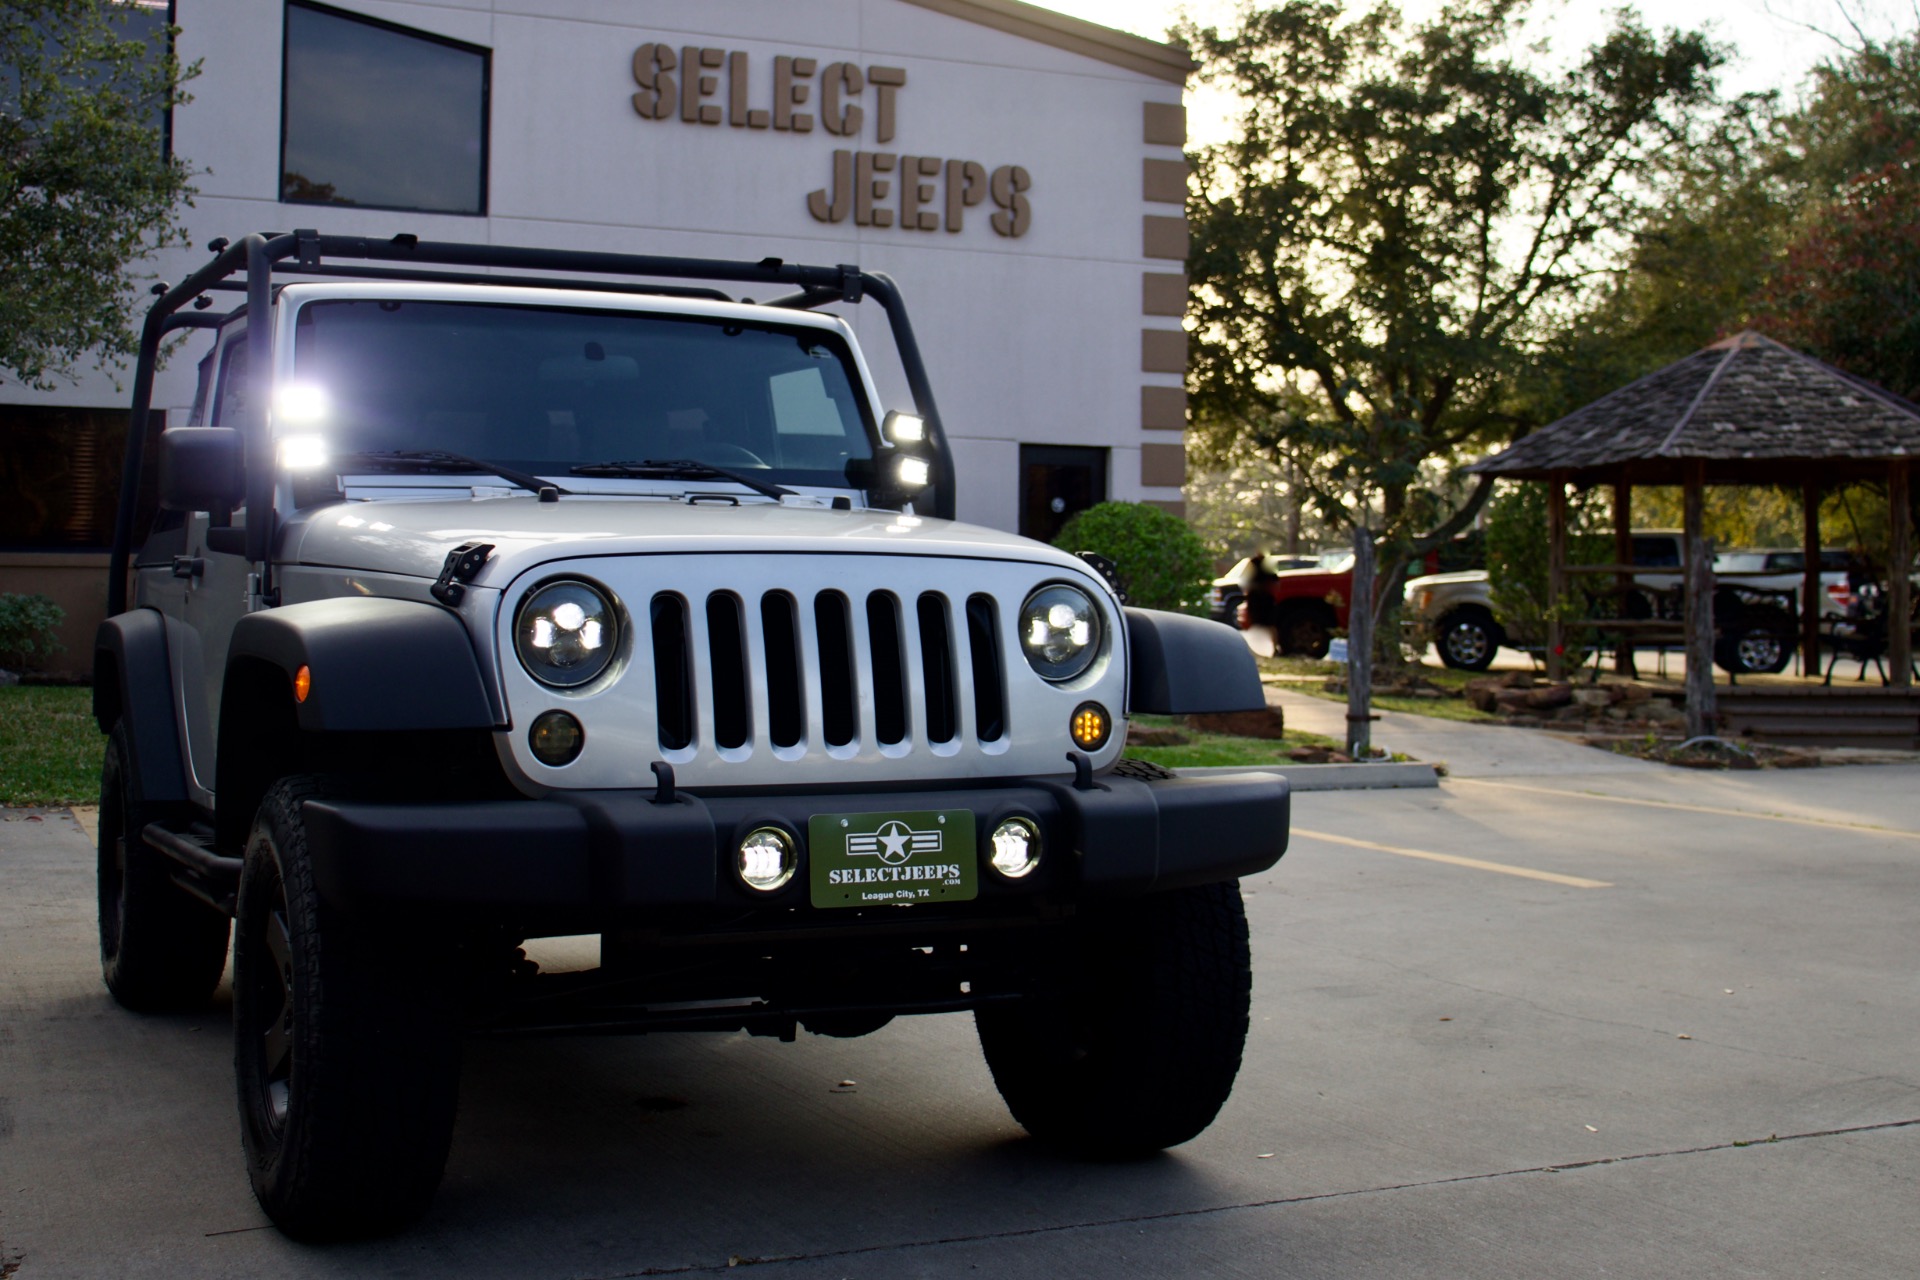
1335, 777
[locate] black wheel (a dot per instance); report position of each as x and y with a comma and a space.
1466, 640
1306, 630
161, 948
1135, 1045
1229, 610
345, 1049
1754, 650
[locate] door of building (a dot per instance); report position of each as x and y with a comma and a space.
1056, 483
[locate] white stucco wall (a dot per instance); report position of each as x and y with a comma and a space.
1034, 339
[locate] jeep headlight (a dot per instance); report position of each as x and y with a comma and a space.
1059, 631
566, 633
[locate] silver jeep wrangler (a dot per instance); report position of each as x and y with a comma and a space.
502, 593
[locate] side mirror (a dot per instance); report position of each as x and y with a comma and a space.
202, 469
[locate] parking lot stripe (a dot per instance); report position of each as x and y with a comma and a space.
1528, 873
1865, 827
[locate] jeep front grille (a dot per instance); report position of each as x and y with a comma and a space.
855, 654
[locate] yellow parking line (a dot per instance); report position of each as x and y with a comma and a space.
1551, 877
1695, 808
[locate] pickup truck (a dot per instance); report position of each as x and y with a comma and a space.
1754, 616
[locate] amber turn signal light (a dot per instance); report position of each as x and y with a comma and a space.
302, 683
1090, 726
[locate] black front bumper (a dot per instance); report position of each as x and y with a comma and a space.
610, 852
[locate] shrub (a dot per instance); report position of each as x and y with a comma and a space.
1162, 564
27, 627
1517, 557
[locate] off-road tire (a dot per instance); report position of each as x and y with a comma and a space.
345, 1047
1133, 1045
1466, 640
161, 948
1756, 649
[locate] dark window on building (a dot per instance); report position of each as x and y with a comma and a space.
1056, 483
381, 116
60, 477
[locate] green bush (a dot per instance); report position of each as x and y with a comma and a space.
1161, 562
1517, 557
27, 627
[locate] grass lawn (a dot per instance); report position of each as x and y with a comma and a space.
49, 747
1204, 749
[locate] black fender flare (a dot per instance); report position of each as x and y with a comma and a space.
133, 684
1189, 666
374, 663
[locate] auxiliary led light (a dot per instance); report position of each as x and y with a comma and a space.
914, 473
1016, 848
301, 402
303, 453
905, 428
1090, 726
767, 859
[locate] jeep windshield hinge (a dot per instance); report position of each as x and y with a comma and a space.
462, 563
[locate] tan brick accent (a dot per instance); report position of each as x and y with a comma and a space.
1163, 408
1178, 507
1163, 350
1165, 125
1163, 293
1163, 181
1163, 237
1163, 466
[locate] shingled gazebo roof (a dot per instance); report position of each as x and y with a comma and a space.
1750, 409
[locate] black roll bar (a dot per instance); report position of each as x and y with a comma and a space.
259, 256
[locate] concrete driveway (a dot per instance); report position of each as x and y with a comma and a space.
1535, 1022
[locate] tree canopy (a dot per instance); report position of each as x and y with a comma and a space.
86, 184
1401, 220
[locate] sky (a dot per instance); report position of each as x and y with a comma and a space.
1774, 49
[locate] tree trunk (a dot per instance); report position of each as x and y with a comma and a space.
1360, 647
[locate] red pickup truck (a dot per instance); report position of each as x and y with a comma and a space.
1309, 604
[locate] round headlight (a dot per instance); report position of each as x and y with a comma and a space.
566, 633
1059, 631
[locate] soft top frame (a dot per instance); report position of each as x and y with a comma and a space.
251, 264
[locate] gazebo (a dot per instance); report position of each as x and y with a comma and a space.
1744, 411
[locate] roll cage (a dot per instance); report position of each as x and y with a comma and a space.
250, 267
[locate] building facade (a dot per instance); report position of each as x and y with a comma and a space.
1017, 172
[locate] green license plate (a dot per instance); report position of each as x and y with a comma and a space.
882, 859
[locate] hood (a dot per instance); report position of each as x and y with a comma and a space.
411, 537
1447, 579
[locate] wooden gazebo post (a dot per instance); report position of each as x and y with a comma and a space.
1623, 660
1899, 586
1701, 713
1811, 595
1556, 574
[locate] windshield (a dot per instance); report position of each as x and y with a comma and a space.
548, 389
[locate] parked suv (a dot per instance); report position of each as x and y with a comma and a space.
493, 607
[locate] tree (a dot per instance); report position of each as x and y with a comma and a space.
86, 184
1381, 250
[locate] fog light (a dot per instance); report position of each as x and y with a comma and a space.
767, 859
1090, 726
556, 738
1016, 848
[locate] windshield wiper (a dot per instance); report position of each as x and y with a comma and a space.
441, 460
680, 468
